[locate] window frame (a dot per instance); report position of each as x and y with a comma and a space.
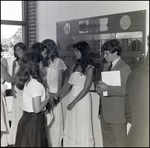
23, 23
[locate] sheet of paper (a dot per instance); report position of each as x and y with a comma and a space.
111, 78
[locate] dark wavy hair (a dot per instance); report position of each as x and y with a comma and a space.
22, 46
86, 58
52, 49
112, 46
29, 66
39, 47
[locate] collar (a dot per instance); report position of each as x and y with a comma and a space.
115, 61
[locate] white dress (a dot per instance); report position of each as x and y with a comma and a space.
5, 128
55, 130
78, 130
4, 112
16, 110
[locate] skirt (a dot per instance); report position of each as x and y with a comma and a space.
31, 131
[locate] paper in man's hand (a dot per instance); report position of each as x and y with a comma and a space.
111, 78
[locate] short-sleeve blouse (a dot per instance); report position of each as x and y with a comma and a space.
31, 90
52, 74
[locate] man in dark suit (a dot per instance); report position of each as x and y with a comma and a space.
137, 106
112, 117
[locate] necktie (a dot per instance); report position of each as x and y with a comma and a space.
110, 66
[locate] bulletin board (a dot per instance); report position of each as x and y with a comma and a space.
129, 28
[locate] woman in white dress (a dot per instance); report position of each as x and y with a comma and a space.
19, 49
78, 130
54, 77
5, 128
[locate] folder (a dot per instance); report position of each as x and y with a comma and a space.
112, 78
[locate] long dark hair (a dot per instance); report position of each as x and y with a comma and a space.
86, 58
52, 49
40, 47
22, 46
29, 66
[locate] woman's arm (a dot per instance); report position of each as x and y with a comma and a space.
64, 90
66, 87
38, 106
4, 62
13, 74
60, 78
13, 67
5, 75
85, 90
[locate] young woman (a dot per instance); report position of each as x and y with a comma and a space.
78, 130
54, 78
5, 128
31, 131
42, 49
19, 50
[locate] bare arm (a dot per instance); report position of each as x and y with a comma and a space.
66, 87
5, 75
64, 90
13, 74
85, 90
38, 106
60, 78
13, 67
4, 62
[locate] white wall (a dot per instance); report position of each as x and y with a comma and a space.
50, 12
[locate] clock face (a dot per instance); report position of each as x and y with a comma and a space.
125, 22
67, 28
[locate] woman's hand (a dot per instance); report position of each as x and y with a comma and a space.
71, 105
55, 98
47, 94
